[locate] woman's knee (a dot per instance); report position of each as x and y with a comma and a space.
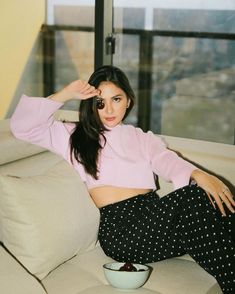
196, 198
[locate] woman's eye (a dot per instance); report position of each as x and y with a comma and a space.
100, 103
116, 99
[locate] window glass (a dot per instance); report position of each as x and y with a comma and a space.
74, 59
71, 12
207, 19
128, 61
74, 41
193, 88
189, 58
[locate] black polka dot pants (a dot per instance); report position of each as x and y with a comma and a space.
146, 229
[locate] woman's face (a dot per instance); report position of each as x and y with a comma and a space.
115, 103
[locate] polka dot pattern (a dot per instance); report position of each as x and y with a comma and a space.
146, 229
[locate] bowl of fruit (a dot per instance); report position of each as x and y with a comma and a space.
126, 275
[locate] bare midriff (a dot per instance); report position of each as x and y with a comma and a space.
106, 195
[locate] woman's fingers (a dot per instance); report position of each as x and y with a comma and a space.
215, 189
229, 195
227, 199
223, 198
91, 90
219, 203
87, 88
78, 89
82, 89
211, 200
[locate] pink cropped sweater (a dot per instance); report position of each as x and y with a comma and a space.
130, 157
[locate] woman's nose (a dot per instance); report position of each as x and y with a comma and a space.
109, 107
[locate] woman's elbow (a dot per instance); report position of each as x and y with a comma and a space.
17, 128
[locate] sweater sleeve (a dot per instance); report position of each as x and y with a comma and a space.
33, 122
167, 164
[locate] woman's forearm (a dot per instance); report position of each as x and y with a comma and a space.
61, 96
78, 89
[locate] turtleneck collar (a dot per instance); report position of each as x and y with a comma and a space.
113, 128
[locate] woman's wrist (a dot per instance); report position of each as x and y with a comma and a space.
196, 174
61, 96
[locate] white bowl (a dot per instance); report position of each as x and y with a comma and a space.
126, 279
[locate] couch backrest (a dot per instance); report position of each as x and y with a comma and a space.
12, 149
23, 159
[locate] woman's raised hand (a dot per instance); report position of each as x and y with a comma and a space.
78, 89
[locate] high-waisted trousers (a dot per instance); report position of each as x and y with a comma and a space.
146, 228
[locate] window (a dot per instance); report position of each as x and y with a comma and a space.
178, 55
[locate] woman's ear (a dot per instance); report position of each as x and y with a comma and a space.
128, 103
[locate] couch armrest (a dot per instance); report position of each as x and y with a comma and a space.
14, 278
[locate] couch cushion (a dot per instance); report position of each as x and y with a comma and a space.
172, 276
47, 219
15, 279
34, 165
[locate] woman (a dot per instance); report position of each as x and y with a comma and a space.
118, 164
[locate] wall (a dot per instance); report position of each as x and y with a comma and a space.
20, 23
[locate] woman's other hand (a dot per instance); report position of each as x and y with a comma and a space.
216, 189
78, 89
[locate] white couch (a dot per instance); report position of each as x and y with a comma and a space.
48, 225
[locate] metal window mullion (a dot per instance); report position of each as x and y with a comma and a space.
48, 36
103, 27
145, 80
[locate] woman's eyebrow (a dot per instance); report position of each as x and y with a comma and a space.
117, 95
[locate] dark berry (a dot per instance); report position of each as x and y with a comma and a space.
128, 267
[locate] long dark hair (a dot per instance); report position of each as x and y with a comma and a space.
85, 139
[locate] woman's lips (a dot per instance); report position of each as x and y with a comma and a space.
110, 118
